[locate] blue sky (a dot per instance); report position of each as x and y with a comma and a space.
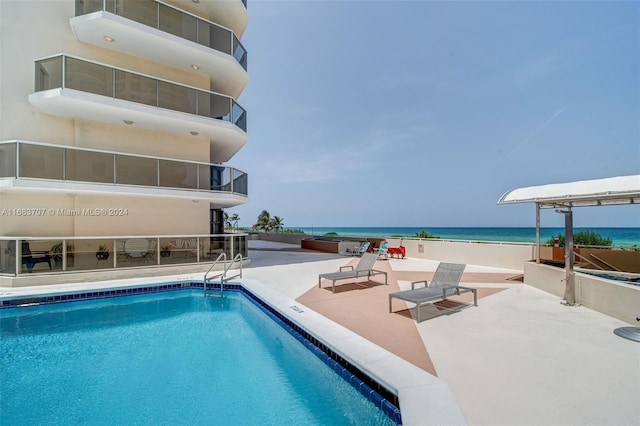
419, 113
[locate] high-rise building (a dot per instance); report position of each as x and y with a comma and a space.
117, 122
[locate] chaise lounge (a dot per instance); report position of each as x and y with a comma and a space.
363, 268
444, 284
359, 251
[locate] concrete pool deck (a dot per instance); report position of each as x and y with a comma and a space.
519, 358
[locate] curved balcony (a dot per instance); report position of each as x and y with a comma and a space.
45, 167
230, 13
76, 88
162, 33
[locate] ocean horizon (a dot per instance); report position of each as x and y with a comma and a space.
621, 237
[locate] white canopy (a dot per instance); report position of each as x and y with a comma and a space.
608, 191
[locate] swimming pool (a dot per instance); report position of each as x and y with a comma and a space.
166, 358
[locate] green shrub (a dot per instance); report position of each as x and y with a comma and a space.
425, 234
584, 238
289, 231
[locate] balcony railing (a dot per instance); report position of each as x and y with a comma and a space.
64, 71
45, 255
172, 20
43, 161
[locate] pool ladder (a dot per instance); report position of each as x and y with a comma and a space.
222, 258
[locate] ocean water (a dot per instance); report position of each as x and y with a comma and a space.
621, 237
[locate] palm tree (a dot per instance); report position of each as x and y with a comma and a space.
234, 218
262, 224
225, 216
276, 223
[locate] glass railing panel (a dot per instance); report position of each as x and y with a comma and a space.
37, 161
84, 7
136, 88
203, 176
136, 252
240, 246
88, 77
136, 170
214, 106
239, 52
165, 251
175, 174
48, 74
89, 166
217, 38
219, 178
142, 11
240, 182
177, 23
178, 250
8, 160
57, 253
239, 116
212, 247
177, 98
7, 257
89, 254
119, 253
35, 256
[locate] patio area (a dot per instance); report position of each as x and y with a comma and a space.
519, 358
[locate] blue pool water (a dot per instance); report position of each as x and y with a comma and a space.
167, 358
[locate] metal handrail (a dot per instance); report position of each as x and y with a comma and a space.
223, 274
237, 258
222, 256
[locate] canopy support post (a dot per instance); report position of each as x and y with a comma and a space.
569, 291
537, 232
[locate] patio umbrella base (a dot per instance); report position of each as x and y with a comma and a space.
631, 333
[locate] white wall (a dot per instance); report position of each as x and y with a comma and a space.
615, 299
511, 256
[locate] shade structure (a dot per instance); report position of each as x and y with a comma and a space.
596, 192
564, 196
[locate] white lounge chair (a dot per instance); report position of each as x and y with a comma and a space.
362, 269
444, 284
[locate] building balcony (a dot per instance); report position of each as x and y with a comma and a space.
229, 13
70, 87
32, 166
164, 34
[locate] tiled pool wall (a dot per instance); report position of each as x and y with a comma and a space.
379, 395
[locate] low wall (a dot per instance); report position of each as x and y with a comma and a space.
618, 300
278, 237
321, 245
499, 255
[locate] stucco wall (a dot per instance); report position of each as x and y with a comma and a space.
130, 216
618, 300
511, 256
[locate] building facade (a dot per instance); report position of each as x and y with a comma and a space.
118, 120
